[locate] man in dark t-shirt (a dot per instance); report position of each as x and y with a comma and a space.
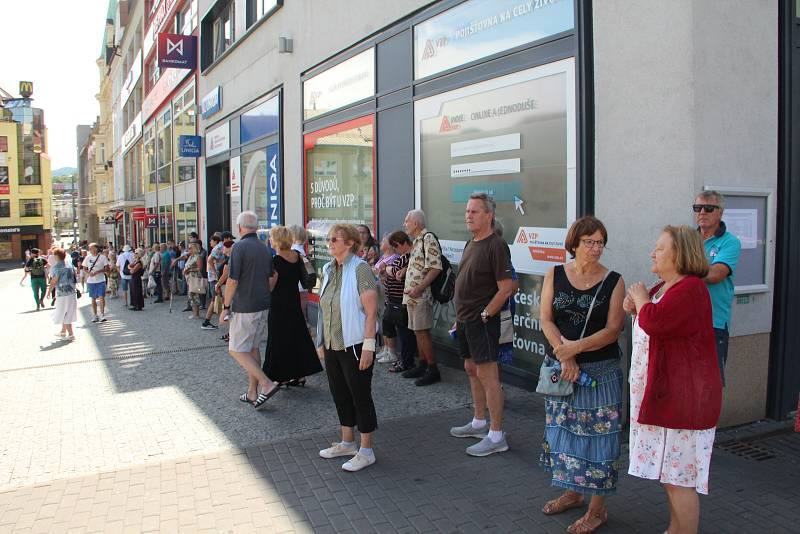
36, 266
483, 286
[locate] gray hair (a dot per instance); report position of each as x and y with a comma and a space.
298, 233
419, 216
248, 220
498, 227
718, 198
489, 204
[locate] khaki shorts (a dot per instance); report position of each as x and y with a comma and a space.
247, 331
420, 316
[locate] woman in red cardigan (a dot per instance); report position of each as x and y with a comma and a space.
676, 390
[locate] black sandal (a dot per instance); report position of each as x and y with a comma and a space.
264, 397
244, 398
296, 383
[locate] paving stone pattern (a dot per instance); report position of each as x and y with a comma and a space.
157, 442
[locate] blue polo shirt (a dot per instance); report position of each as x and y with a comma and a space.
723, 247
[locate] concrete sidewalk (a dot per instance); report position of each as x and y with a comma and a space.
422, 482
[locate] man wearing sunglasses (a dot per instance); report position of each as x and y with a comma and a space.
722, 250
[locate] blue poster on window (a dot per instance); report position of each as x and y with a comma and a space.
274, 189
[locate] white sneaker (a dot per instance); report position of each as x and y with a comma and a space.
388, 357
337, 449
103, 318
96, 319
358, 462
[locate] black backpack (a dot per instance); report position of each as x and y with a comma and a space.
125, 269
443, 287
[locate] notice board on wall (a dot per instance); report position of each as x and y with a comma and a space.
747, 217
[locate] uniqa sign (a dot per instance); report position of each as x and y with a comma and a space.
274, 215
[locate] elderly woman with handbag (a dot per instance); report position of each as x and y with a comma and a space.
346, 326
581, 316
676, 389
197, 284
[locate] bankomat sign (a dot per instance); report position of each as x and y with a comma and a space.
177, 51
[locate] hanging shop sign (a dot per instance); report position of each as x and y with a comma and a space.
139, 214
211, 103
236, 193
480, 28
218, 140
5, 188
274, 208
133, 76
349, 81
177, 51
151, 220
132, 133
189, 146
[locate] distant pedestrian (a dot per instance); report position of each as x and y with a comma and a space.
36, 267
96, 266
483, 286
193, 273
581, 316
223, 271
676, 387
346, 327
136, 268
154, 274
722, 250
291, 355
424, 265
113, 275
123, 266
387, 353
62, 287
214, 255
166, 272
247, 298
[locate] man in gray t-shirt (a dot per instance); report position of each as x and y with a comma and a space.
246, 305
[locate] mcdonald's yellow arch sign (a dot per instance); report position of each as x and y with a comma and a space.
25, 89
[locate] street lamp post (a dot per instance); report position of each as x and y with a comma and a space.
74, 193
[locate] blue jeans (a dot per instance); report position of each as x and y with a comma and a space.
721, 337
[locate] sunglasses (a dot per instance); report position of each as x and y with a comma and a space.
334, 239
708, 208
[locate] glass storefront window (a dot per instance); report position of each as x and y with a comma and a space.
254, 184
349, 81
514, 138
184, 124
164, 147
339, 180
149, 159
260, 121
480, 28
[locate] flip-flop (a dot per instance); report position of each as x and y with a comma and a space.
264, 397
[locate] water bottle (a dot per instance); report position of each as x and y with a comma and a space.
583, 378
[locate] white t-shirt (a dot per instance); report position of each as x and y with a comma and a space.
51, 262
121, 259
96, 275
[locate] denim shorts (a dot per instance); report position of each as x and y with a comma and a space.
97, 290
124, 283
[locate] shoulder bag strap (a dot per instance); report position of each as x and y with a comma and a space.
591, 306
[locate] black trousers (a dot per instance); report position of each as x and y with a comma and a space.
397, 315
351, 388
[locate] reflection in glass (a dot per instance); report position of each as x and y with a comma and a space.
254, 184
260, 121
349, 81
339, 170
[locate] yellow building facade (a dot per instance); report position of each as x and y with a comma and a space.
25, 180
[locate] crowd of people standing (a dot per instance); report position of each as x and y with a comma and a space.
380, 295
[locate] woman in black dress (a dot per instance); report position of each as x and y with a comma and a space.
291, 355
136, 269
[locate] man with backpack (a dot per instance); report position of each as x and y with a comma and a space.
123, 260
424, 266
36, 267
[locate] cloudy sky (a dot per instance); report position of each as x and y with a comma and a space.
54, 44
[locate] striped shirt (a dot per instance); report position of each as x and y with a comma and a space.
393, 288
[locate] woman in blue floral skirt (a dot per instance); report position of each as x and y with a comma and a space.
582, 430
